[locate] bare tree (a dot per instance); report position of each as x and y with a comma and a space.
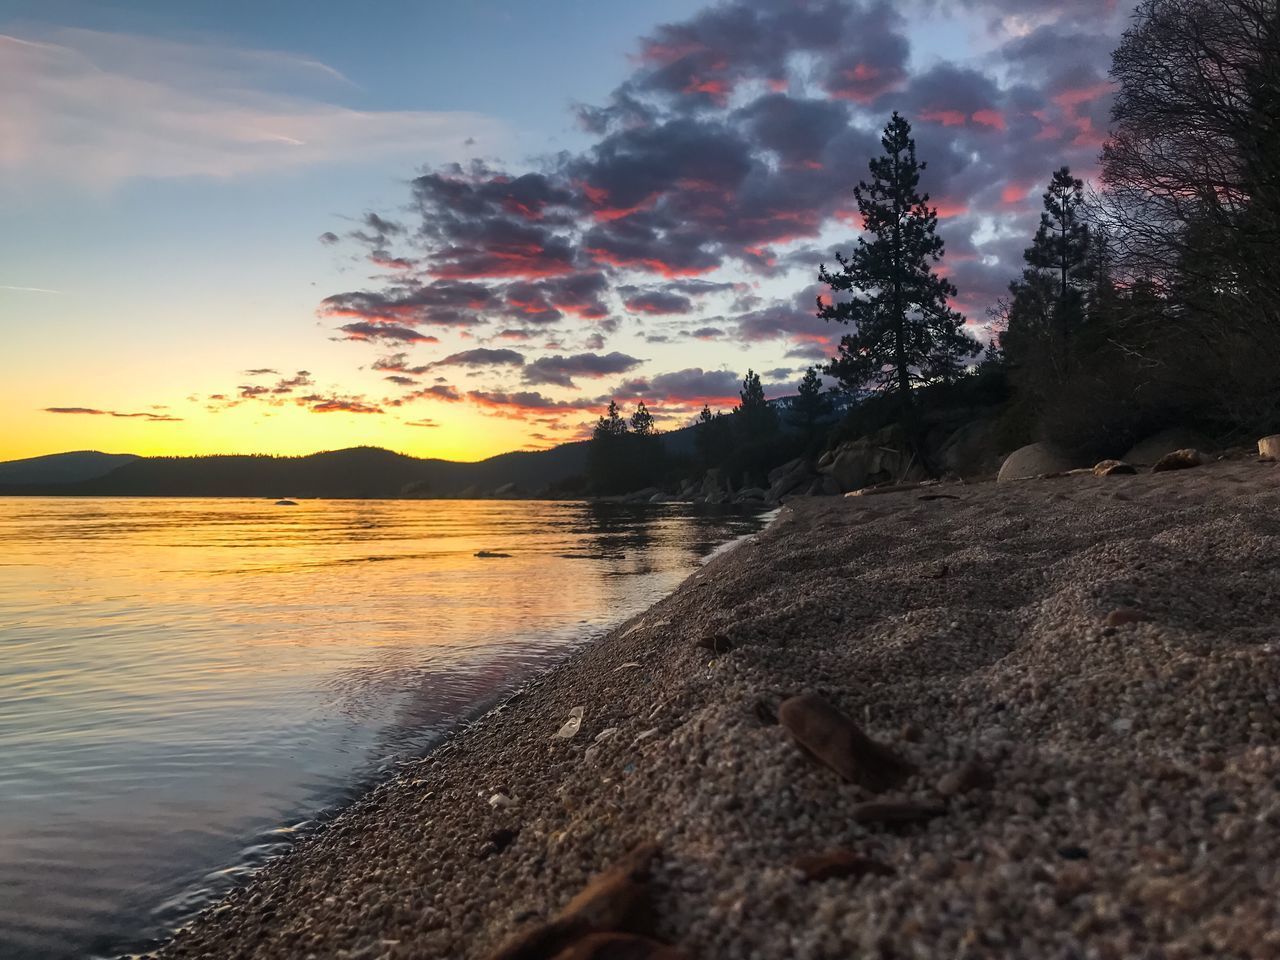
1192, 171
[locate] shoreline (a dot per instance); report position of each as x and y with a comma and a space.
982, 627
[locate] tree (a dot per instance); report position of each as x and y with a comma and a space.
754, 417
642, 422
810, 405
704, 437
904, 332
607, 460
1046, 305
1192, 169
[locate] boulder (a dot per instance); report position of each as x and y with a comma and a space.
1111, 468
1034, 460
972, 450
750, 493
712, 483
642, 496
789, 478
1178, 460
1148, 451
881, 457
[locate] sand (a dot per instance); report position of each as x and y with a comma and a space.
1106, 649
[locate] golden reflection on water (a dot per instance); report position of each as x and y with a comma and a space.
181, 677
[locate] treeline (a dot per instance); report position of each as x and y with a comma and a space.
627, 454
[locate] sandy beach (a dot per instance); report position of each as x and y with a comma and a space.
1080, 674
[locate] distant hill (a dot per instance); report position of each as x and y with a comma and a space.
357, 472
62, 467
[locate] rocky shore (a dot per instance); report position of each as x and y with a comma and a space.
1033, 719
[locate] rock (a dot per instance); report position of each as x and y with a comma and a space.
712, 483
896, 811
750, 493
1178, 460
1269, 447
973, 774
616, 900
830, 487
1034, 460
839, 865
1156, 446
972, 450
286, 503
618, 946
788, 478
1111, 468
498, 841
571, 726
1123, 615
641, 496
836, 741
715, 642
881, 457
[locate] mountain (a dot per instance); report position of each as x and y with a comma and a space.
62, 467
359, 472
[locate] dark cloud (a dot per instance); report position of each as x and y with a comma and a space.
93, 412
480, 357
523, 402
658, 302
384, 332
424, 422
691, 386
560, 370
336, 404
329, 238
261, 372
401, 381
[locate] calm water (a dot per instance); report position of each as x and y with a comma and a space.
186, 684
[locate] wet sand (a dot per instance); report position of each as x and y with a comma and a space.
1103, 651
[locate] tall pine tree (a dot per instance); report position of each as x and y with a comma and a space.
904, 332
810, 404
754, 417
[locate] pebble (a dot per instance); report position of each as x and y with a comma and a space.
835, 740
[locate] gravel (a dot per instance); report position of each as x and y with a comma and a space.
1083, 674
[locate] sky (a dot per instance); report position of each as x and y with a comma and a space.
455, 229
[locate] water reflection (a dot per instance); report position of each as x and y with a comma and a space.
185, 681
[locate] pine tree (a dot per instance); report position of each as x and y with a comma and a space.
1061, 247
904, 332
642, 422
704, 436
810, 404
754, 417
1047, 305
607, 455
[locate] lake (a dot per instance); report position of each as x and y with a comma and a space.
188, 685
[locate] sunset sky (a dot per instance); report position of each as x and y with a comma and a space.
453, 229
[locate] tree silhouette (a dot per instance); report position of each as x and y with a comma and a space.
754, 417
810, 405
904, 332
642, 422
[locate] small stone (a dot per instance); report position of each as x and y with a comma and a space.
498, 841
765, 712
1111, 468
1123, 725
836, 741
715, 642
973, 774
839, 865
500, 801
897, 811
911, 733
1124, 615
1073, 853
1178, 460
618, 946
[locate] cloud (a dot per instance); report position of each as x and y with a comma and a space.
658, 302
94, 109
690, 387
384, 332
560, 370
480, 357
338, 404
91, 411
424, 422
